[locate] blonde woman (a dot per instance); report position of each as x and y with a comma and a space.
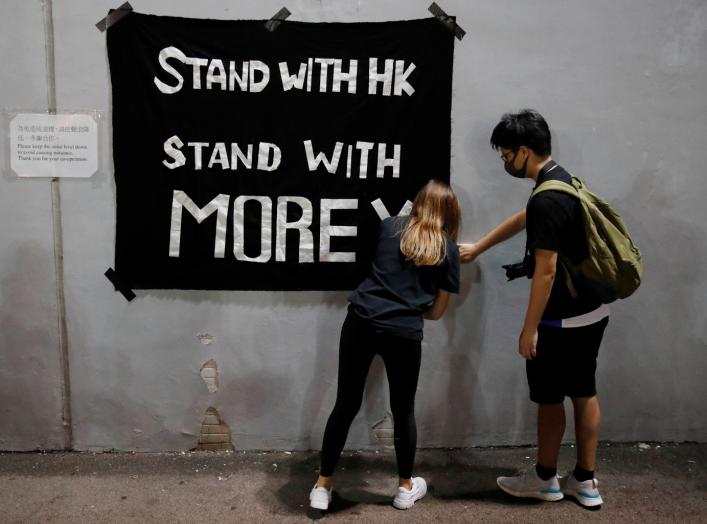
416, 266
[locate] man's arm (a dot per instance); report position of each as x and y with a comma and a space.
543, 277
505, 230
438, 307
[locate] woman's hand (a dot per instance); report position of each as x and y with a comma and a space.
438, 307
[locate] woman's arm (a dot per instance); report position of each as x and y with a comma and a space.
438, 307
505, 230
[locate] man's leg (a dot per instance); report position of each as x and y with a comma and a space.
581, 483
551, 428
582, 390
546, 391
544, 372
587, 418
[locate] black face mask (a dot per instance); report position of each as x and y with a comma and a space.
517, 173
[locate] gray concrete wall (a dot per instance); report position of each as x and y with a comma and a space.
623, 87
30, 370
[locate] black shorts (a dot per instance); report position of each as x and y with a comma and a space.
565, 363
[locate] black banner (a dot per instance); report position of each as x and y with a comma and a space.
250, 159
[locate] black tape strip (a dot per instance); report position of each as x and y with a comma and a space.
119, 284
114, 16
450, 22
277, 19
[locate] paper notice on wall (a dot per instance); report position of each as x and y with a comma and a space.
57, 145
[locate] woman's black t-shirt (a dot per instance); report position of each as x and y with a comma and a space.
396, 292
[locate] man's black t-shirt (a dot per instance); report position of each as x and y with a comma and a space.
396, 292
553, 221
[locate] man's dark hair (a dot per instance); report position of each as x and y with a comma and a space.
526, 128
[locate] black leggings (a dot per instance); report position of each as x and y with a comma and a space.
358, 345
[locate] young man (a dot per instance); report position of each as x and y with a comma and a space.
561, 334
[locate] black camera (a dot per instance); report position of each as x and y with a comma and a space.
520, 269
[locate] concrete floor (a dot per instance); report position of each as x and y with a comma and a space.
661, 483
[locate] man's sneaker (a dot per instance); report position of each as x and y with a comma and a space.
529, 485
585, 492
319, 498
405, 498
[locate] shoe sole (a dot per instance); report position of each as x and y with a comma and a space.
548, 497
584, 501
405, 505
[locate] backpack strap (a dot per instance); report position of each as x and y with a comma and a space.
558, 185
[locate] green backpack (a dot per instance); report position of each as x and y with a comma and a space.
613, 268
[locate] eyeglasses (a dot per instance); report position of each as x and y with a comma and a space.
507, 159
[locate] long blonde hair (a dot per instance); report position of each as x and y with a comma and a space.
435, 214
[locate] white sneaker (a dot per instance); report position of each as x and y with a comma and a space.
585, 492
319, 498
529, 485
405, 498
